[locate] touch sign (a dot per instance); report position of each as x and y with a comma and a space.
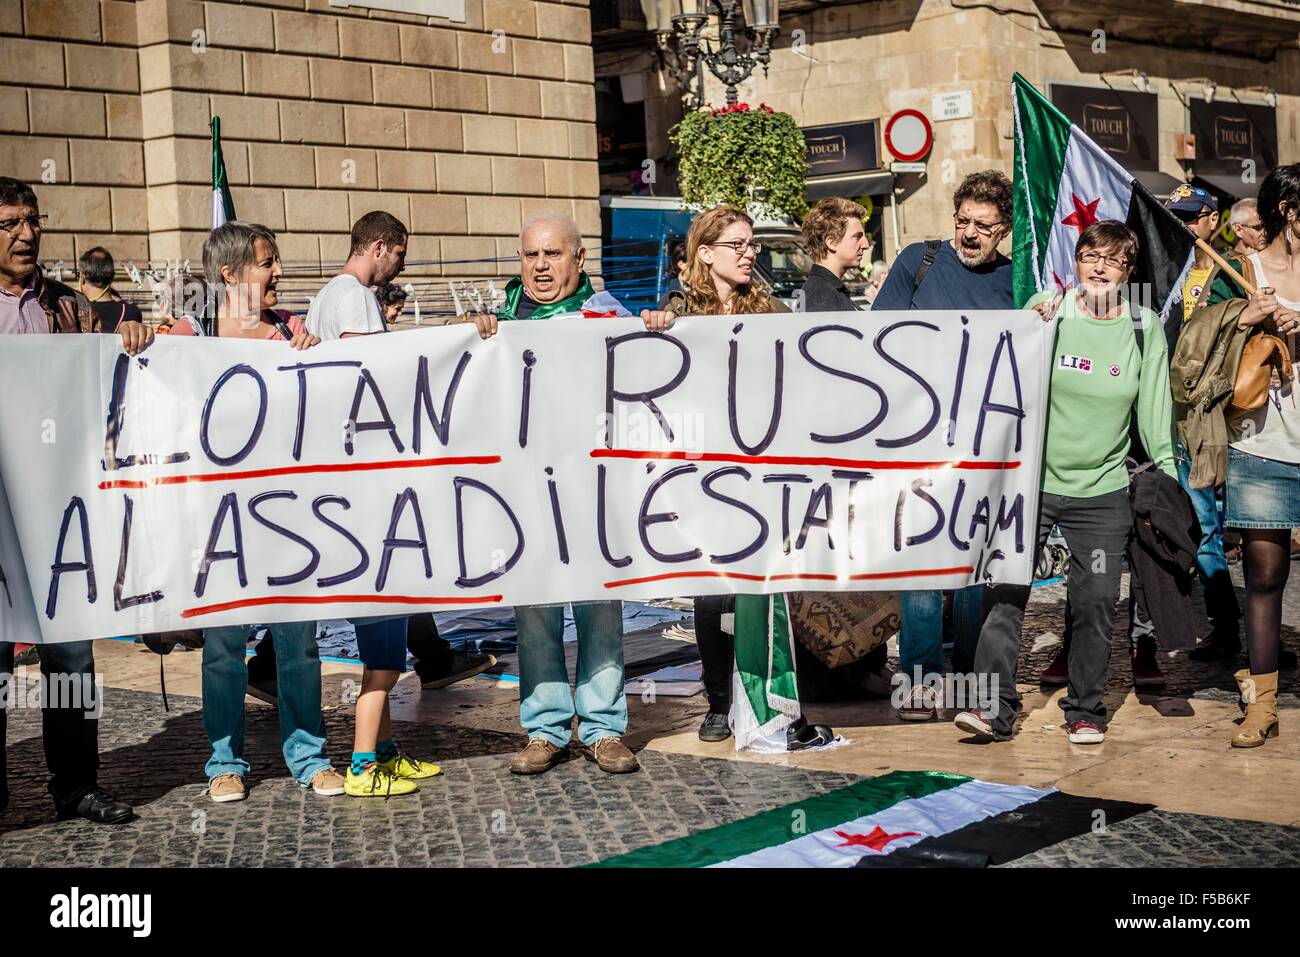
908, 135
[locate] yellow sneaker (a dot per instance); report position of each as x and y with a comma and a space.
407, 768
377, 781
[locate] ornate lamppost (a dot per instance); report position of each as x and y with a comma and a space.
678, 26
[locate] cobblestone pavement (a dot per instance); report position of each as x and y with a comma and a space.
1166, 839
477, 814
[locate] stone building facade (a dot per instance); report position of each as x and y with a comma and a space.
462, 125
862, 60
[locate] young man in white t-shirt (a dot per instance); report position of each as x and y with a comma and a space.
347, 306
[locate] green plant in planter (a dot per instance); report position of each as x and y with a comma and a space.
751, 158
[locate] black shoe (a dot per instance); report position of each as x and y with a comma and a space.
801, 735
1216, 648
96, 806
716, 727
463, 665
264, 690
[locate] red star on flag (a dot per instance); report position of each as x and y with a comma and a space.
1084, 215
877, 840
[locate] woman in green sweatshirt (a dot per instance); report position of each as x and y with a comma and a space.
1100, 377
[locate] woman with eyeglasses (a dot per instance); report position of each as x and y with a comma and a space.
719, 281
1100, 376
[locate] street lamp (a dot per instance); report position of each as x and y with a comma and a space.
678, 26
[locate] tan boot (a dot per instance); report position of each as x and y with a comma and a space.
1259, 692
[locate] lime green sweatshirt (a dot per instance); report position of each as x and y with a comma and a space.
1098, 376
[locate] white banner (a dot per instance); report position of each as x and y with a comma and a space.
212, 482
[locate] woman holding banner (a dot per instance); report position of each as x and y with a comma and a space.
241, 262
1101, 375
720, 254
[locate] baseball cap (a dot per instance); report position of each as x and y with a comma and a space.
1190, 199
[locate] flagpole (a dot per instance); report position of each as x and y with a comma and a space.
1223, 264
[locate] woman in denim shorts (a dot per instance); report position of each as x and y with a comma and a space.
1263, 487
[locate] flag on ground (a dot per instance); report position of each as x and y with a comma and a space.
764, 694
223, 207
905, 818
1064, 182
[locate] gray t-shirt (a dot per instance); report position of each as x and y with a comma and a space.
344, 306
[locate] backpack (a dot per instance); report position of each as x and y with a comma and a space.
1203, 373
932, 247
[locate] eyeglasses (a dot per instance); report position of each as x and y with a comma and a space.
1091, 259
36, 221
1255, 226
740, 246
984, 229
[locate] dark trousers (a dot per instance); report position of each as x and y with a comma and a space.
716, 651
433, 656
69, 722
1097, 531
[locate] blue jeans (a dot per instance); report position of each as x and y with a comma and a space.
920, 640
297, 672
546, 707
1216, 583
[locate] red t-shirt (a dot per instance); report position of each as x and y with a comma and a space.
184, 326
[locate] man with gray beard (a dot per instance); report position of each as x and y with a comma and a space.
965, 272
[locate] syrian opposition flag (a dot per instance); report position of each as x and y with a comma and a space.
905, 818
223, 207
1064, 182
764, 693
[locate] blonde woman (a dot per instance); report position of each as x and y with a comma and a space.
720, 281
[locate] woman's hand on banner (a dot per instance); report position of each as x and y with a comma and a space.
1047, 310
304, 340
1261, 306
136, 336
658, 320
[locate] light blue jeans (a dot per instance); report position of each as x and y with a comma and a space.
546, 706
920, 641
225, 681
1210, 558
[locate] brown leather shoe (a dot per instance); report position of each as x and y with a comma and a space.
538, 755
610, 754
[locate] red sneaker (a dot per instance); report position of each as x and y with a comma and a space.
1085, 732
1057, 673
1146, 673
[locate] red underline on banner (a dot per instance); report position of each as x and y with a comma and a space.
336, 599
794, 576
809, 460
300, 470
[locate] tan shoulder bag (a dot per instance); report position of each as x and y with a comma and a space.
1264, 356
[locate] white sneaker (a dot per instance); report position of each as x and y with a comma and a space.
922, 704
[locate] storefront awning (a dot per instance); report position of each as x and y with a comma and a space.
1160, 184
1230, 185
872, 183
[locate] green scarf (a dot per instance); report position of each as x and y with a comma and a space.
515, 291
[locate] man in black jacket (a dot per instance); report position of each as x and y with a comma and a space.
836, 237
